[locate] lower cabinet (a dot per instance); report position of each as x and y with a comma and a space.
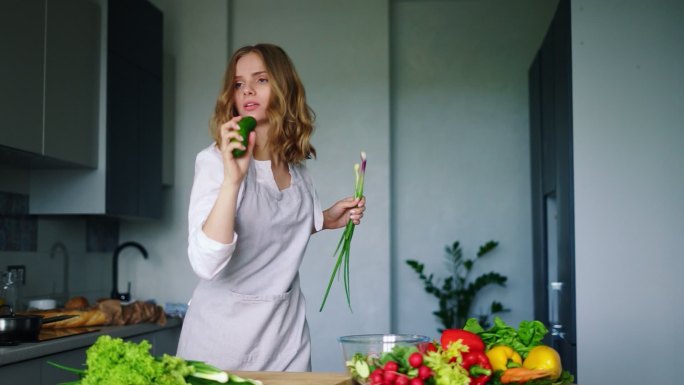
37, 371
165, 342
51, 375
27, 372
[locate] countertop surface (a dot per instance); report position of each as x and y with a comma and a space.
298, 378
28, 350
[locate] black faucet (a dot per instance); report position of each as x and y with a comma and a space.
115, 269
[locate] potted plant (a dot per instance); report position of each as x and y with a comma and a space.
457, 293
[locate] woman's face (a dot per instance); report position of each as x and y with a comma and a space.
251, 87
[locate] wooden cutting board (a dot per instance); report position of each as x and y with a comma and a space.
298, 378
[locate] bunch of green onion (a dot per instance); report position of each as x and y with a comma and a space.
344, 245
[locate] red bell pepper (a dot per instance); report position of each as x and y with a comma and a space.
471, 340
478, 367
475, 361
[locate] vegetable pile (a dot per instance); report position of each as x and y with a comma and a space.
500, 355
113, 361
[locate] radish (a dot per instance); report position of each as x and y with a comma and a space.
424, 372
377, 371
401, 380
416, 381
390, 376
376, 377
415, 360
391, 366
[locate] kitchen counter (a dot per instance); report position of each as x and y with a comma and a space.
29, 350
298, 378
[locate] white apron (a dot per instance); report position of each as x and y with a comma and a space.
251, 316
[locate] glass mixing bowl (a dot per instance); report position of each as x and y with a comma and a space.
373, 345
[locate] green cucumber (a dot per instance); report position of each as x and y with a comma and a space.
234, 379
247, 125
362, 369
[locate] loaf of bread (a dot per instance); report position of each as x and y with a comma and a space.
88, 317
105, 312
76, 303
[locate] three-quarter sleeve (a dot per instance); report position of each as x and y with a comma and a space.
207, 256
317, 209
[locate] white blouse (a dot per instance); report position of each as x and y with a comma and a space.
247, 311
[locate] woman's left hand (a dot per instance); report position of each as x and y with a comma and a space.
344, 210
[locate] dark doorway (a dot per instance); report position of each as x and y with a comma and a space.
550, 82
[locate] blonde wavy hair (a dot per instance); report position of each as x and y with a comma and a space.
290, 117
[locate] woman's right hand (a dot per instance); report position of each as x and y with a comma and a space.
234, 169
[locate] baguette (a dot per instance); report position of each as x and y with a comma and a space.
105, 312
90, 317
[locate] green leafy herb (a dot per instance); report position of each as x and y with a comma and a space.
344, 245
114, 361
400, 355
528, 335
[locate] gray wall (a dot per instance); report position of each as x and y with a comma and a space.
460, 134
468, 94
628, 146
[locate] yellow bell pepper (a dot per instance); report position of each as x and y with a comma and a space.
502, 357
545, 358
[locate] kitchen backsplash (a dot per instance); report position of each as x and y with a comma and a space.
52, 248
18, 229
102, 234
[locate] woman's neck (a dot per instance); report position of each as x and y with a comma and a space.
261, 153
261, 150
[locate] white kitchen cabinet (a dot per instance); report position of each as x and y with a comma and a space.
49, 83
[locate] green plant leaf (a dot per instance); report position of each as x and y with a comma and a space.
486, 248
456, 293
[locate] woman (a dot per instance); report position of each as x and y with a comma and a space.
250, 219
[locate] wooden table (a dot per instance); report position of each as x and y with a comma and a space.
297, 378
